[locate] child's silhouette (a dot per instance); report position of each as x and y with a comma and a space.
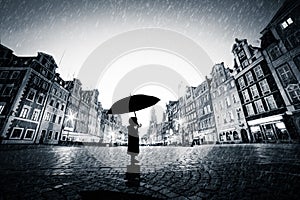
133, 139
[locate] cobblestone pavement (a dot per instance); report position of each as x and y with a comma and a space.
252, 171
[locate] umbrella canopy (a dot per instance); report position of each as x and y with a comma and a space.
132, 104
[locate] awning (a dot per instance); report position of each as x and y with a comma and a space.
265, 120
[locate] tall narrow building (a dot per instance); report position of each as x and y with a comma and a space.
206, 126
52, 116
230, 120
280, 43
190, 116
260, 96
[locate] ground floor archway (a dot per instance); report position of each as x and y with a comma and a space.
244, 136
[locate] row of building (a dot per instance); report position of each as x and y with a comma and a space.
38, 106
257, 100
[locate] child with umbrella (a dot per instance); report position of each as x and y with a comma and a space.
132, 104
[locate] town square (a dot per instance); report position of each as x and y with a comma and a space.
128, 99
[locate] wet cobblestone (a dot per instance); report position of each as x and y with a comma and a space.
261, 171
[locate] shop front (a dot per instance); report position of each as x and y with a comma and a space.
208, 136
269, 129
231, 135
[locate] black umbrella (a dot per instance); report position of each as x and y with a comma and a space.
132, 104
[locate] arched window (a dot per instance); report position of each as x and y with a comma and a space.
294, 92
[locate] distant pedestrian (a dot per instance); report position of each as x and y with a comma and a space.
133, 139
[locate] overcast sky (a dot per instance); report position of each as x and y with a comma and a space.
77, 27
71, 30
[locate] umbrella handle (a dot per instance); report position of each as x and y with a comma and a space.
139, 125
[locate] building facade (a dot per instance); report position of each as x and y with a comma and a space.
280, 42
206, 126
190, 116
25, 83
230, 121
182, 119
261, 100
152, 133
112, 129
83, 113
53, 114
173, 122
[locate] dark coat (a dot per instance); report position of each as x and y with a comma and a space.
133, 140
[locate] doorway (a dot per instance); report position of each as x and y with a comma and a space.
244, 136
42, 138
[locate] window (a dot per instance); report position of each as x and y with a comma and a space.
2, 105
16, 133
274, 52
57, 105
234, 98
297, 61
264, 86
15, 75
285, 74
31, 94
48, 116
7, 90
259, 106
221, 105
53, 118
50, 135
51, 102
230, 115
36, 80
286, 23
258, 72
59, 120
205, 110
36, 115
45, 85
238, 113
246, 96
208, 109
293, 40
254, 91
29, 134
241, 54
245, 63
271, 104
44, 72
241, 82
56, 136
54, 90
227, 101
249, 77
40, 99
249, 109
4, 74
294, 92
221, 89
232, 83
24, 112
